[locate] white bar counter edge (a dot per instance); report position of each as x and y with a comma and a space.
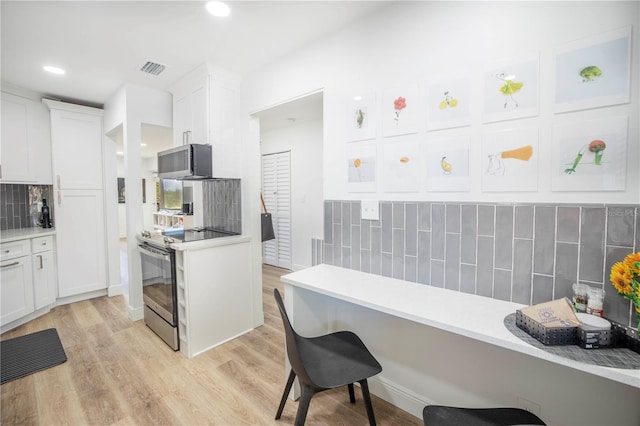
476, 317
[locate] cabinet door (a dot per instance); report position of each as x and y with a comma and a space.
191, 108
80, 242
44, 279
15, 149
76, 140
16, 289
181, 117
200, 113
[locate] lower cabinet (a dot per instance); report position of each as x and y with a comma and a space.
80, 242
16, 285
27, 280
44, 272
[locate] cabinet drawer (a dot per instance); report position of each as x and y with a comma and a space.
41, 244
14, 249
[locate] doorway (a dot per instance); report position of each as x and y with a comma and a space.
276, 189
291, 136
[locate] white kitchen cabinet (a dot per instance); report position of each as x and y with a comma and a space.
44, 271
191, 107
76, 136
16, 282
205, 103
25, 146
76, 139
214, 293
80, 242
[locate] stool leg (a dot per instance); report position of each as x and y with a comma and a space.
285, 394
367, 401
352, 394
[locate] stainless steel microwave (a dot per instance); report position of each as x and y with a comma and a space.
190, 161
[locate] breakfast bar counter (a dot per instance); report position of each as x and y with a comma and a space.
337, 296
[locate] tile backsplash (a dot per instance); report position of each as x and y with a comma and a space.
525, 253
222, 204
19, 205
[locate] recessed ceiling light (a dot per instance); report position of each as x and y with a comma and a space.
143, 144
218, 8
54, 70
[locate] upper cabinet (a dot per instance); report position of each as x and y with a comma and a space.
25, 147
76, 134
205, 111
191, 108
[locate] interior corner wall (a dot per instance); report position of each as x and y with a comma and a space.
304, 141
420, 42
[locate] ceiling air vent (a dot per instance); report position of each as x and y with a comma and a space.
152, 68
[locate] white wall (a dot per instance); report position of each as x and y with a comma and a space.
428, 41
304, 141
420, 42
130, 107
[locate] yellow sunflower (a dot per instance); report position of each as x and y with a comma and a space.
633, 262
621, 278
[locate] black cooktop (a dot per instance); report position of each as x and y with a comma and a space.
196, 234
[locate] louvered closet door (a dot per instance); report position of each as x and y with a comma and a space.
276, 189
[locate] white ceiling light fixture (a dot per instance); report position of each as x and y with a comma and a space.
54, 70
218, 8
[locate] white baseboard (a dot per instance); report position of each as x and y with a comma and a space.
114, 290
136, 314
80, 297
401, 397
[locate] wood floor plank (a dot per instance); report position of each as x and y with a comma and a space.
121, 373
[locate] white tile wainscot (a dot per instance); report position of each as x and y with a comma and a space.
439, 346
214, 292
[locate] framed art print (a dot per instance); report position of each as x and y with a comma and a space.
400, 111
361, 117
511, 90
590, 155
593, 72
510, 160
447, 104
361, 167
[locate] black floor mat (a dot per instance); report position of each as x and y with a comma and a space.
28, 354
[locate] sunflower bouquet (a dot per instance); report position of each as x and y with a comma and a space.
625, 277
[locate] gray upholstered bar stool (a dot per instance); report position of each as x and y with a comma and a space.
440, 415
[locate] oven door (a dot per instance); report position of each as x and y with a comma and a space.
158, 281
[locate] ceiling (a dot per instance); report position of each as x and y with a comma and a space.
103, 44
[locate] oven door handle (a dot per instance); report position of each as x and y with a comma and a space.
154, 254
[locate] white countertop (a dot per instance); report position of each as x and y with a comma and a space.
476, 317
209, 243
23, 233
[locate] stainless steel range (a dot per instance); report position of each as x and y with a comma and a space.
159, 287
159, 283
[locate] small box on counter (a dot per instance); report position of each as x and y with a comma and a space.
552, 323
595, 332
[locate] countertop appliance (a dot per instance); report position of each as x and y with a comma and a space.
186, 162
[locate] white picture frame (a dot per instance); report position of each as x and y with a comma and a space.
510, 160
447, 164
400, 165
361, 163
511, 89
361, 117
400, 111
575, 163
593, 72
447, 104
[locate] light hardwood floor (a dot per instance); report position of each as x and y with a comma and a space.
120, 373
